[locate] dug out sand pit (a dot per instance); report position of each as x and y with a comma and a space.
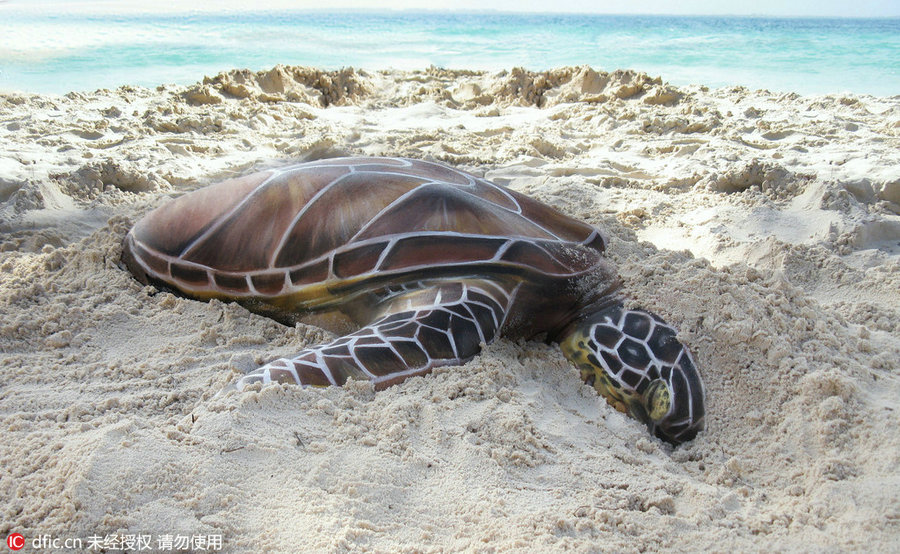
764, 226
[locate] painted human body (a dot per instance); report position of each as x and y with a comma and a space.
415, 265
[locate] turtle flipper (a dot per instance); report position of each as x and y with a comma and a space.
415, 332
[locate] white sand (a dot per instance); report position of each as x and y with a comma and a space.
773, 240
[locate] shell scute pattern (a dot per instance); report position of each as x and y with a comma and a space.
270, 284
434, 248
329, 221
232, 284
196, 214
358, 261
310, 273
274, 234
189, 274
255, 228
446, 207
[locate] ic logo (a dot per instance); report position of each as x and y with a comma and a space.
15, 541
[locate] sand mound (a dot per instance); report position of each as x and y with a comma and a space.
771, 234
457, 88
283, 83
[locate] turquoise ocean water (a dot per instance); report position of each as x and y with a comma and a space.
58, 53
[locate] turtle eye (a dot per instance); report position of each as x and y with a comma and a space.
686, 416
658, 400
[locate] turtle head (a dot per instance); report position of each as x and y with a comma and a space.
632, 358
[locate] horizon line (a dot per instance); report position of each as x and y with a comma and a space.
127, 7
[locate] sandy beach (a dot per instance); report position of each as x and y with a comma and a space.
766, 227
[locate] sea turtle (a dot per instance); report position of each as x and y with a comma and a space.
416, 265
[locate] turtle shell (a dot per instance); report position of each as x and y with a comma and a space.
323, 228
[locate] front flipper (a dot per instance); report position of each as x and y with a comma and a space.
440, 325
